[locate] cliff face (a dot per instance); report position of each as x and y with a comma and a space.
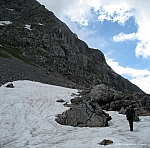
36, 35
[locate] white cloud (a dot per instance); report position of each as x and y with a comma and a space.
143, 48
123, 37
142, 19
122, 12
139, 77
114, 12
77, 10
143, 83
80, 12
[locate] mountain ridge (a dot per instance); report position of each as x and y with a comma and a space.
43, 40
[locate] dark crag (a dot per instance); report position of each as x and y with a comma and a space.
37, 37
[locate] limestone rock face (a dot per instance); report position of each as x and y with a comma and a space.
36, 36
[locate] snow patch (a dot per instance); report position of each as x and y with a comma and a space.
27, 119
40, 24
28, 27
5, 23
10, 9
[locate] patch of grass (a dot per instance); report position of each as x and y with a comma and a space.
15, 53
3, 55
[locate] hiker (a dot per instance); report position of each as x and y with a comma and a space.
130, 114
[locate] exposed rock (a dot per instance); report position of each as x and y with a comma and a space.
106, 142
76, 100
107, 116
136, 118
113, 100
84, 115
60, 100
122, 110
10, 85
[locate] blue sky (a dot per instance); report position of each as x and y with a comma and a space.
119, 28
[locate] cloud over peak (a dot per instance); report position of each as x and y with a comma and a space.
124, 37
115, 13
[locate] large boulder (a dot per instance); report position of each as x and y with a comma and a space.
88, 114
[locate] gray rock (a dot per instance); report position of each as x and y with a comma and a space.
10, 85
60, 100
106, 142
122, 110
83, 115
76, 100
113, 100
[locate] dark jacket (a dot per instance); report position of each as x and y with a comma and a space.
130, 113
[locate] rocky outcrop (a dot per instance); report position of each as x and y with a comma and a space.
87, 110
88, 114
113, 100
36, 36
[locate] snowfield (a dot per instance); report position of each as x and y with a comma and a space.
27, 120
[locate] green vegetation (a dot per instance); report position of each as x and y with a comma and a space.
15, 53
3, 55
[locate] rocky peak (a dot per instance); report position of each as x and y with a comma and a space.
35, 34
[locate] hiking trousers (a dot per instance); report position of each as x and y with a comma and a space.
131, 123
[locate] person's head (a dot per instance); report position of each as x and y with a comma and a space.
130, 106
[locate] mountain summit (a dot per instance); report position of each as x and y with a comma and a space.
32, 34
